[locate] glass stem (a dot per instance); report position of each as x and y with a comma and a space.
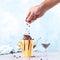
46, 56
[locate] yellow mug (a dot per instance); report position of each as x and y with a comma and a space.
27, 47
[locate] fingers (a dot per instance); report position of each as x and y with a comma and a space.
30, 17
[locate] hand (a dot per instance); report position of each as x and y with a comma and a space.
39, 10
34, 13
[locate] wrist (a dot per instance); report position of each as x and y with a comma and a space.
43, 6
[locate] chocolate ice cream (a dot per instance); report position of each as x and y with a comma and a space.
27, 37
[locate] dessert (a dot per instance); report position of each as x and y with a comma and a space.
27, 37
26, 44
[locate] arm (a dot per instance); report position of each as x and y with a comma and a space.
39, 10
50, 3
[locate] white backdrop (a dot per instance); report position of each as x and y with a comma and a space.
12, 24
